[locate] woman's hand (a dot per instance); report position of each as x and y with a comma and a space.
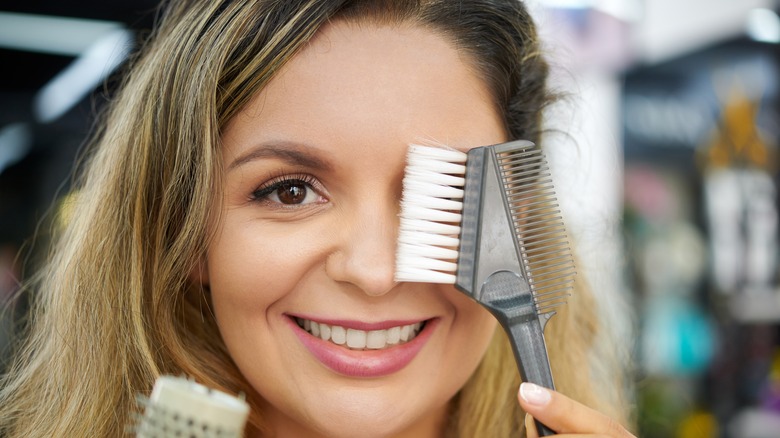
564, 415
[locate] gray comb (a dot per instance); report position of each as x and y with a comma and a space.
511, 253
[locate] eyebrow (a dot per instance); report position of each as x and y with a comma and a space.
292, 153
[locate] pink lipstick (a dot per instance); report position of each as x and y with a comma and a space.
363, 350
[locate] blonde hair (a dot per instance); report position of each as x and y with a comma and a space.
114, 307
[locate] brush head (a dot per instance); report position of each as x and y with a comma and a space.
431, 205
466, 216
179, 407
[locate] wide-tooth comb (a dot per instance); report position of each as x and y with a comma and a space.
489, 223
179, 407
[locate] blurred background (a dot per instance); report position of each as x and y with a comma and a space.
665, 153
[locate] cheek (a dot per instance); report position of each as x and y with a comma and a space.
473, 328
251, 266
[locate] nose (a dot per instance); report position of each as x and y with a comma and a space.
365, 255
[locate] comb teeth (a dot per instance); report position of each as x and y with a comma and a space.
430, 215
431, 207
541, 234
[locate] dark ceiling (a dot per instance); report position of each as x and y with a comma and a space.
127, 11
28, 71
28, 186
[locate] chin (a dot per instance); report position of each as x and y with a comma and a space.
358, 416
375, 428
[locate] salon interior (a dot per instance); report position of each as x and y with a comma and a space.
664, 151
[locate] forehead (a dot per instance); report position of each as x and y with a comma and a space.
405, 80
388, 54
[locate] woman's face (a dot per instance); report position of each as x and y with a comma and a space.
313, 169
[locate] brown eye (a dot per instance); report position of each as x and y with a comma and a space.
292, 193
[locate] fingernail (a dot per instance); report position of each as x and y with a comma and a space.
534, 394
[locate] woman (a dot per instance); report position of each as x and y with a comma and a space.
244, 188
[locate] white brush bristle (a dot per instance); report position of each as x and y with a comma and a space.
431, 202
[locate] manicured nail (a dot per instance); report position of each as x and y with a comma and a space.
534, 394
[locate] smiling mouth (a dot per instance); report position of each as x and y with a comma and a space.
361, 339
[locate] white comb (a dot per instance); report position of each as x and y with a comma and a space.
179, 407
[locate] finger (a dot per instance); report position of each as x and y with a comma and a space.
565, 415
530, 427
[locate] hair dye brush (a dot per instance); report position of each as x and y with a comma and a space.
179, 407
488, 222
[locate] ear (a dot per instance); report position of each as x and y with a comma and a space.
199, 274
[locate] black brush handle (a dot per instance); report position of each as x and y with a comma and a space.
508, 296
531, 356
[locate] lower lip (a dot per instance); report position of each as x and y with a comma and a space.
363, 363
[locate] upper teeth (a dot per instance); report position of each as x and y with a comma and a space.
361, 339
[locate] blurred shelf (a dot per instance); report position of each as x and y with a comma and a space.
756, 306
755, 423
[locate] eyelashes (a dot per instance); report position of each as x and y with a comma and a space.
289, 191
